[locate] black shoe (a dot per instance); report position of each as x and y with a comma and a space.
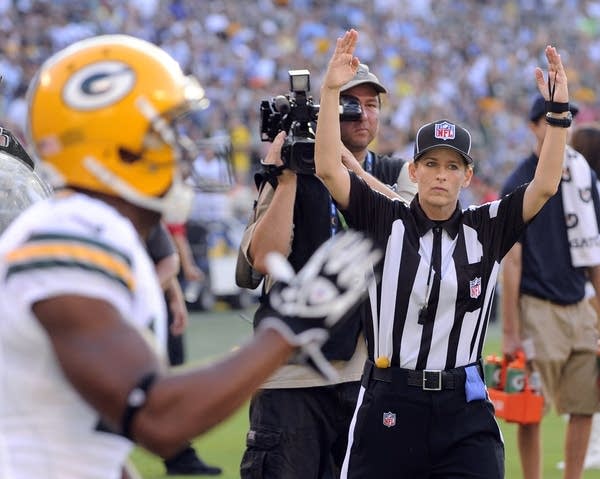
187, 463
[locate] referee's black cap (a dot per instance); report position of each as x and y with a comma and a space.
10, 144
538, 108
444, 134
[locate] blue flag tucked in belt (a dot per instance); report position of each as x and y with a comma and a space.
474, 386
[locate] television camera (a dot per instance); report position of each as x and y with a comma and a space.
296, 114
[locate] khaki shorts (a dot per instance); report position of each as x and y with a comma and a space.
561, 343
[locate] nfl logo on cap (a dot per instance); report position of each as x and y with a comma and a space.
443, 134
445, 131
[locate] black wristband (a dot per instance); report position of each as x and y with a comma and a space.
555, 107
136, 399
559, 122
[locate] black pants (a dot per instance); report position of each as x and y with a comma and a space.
403, 431
175, 345
175, 348
298, 433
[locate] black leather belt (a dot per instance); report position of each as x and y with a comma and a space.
427, 380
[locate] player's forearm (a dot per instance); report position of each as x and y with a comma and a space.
186, 405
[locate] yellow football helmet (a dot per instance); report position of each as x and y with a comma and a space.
101, 118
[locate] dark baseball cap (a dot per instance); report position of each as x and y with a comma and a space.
10, 145
444, 134
538, 108
363, 75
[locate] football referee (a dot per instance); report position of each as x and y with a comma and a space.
423, 409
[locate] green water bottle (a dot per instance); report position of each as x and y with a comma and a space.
515, 375
491, 371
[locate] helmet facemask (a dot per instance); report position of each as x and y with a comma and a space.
174, 204
208, 163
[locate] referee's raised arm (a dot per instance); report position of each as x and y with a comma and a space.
549, 169
342, 67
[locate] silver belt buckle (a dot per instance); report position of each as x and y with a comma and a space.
430, 375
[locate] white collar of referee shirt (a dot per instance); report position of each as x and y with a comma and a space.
424, 224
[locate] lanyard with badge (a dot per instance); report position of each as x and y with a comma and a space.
336, 218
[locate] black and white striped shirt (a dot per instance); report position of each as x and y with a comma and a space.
450, 329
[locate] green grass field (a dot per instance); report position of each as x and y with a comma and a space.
211, 335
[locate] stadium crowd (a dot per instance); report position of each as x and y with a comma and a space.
474, 58
436, 56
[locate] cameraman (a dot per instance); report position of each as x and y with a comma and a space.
298, 420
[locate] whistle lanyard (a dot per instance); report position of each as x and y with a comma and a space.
435, 266
335, 217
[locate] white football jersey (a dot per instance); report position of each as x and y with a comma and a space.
65, 245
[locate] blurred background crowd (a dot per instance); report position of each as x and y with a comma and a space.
468, 60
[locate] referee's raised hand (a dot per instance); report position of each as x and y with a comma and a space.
343, 64
553, 86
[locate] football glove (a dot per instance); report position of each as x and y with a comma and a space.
322, 295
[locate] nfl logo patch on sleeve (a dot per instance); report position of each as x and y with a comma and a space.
475, 287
